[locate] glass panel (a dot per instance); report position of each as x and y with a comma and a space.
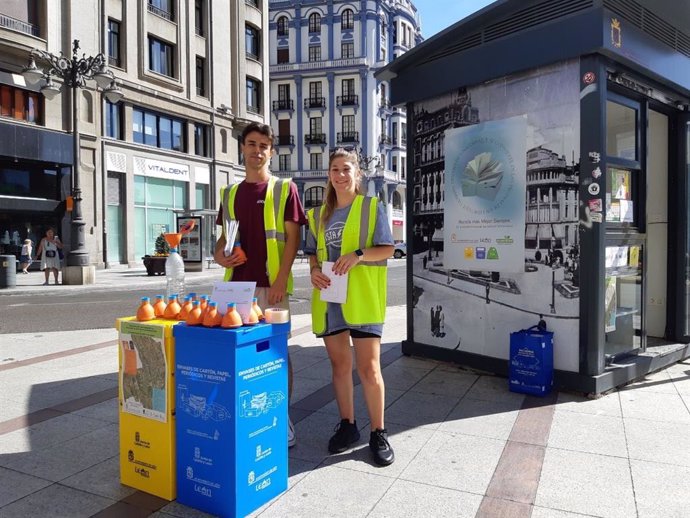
140, 248
158, 220
114, 225
139, 190
621, 131
150, 130
159, 192
180, 194
687, 236
177, 138
623, 299
619, 199
201, 196
138, 126
165, 129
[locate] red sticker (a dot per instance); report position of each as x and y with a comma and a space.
589, 78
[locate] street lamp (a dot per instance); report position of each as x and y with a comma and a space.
74, 73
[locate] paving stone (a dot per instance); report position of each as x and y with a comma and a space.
492, 419
401, 377
661, 490
659, 381
589, 433
312, 435
331, 491
654, 406
543, 512
17, 485
361, 412
493, 388
658, 441
586, 483
461, 462
101, 479
405, 499
107, 411
56, 501
419, 409
445, 383
604, 405
303, 387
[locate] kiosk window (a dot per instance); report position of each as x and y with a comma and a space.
619, 199
621, 131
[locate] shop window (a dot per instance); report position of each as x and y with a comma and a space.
30, 180
157, 130
21, 104
201, 196
621, 131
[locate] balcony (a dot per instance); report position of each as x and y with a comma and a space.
315, 139
348, 137
17, 25
318, 65
347, 100
283, 104
315, 103
385, 140
163, 13
284, 140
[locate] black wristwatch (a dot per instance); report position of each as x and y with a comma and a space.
359, 253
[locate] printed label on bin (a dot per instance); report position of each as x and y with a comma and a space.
144, 372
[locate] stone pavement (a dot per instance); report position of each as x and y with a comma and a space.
465, 446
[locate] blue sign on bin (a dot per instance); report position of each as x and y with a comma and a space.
232, 411
531, 361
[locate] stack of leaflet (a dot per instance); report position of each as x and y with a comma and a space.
230, 230
482, 177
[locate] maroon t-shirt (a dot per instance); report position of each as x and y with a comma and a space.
249, 212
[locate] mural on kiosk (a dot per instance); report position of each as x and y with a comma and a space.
496, 213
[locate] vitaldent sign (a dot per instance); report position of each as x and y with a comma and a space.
160, 169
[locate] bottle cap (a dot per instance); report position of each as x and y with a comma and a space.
195, 303
145, 299
255, 299
187, 298
173, 296
231, 304
213, 304
159, 296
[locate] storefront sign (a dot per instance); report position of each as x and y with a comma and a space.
484, 219
160, 169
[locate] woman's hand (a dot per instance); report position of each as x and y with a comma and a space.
319, 280
344, 263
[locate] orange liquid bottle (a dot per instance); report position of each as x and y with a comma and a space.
186, 308
204, 302
172, 309
159, 306
252, 317
231, 318
145, 311
192, 296
211, 317
194, 316
255, 306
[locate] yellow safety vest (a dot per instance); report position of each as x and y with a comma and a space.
277, 193
366, 282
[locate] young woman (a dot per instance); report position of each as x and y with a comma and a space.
25, 256
48, 249
351, 231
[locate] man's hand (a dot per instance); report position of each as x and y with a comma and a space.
235, 259
278, 290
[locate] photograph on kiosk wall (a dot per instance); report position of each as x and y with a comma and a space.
496, 212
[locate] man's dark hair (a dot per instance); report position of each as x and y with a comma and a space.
264, 129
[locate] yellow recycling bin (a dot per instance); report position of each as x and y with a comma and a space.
147, 405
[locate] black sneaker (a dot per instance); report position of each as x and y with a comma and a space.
346, 433
381, 448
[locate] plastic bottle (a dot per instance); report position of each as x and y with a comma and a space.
252, 317
192, 296
255, 306
203, 303
237, 248
231, 318
194, 317
159, 306
173, 308
174, 274
186, 308
212, 318
145, 311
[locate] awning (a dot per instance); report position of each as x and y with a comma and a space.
531, 232
558, 230
545, 231
438, 235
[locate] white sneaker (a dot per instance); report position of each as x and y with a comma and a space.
291, 434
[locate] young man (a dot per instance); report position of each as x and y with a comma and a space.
269, 213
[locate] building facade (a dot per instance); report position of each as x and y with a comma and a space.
193, 74
324, 95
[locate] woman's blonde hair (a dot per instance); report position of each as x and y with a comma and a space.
330, 198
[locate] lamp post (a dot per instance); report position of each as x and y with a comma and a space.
74, 73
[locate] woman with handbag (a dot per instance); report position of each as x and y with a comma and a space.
49, 250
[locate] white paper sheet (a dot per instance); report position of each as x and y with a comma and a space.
230, 234
337, 291
241, 293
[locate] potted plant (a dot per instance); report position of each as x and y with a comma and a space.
155, 264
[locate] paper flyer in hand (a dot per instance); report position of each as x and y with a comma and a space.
337, 291
230, 234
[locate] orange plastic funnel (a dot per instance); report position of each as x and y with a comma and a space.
173, 239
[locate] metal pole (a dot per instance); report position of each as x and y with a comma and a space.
78, 255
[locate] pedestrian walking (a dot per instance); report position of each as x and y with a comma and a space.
49, 250
269, 242
351, 231
25, 257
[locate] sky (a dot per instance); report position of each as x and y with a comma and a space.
436, 15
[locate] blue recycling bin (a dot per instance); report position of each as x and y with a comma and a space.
232, 412
531, 361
